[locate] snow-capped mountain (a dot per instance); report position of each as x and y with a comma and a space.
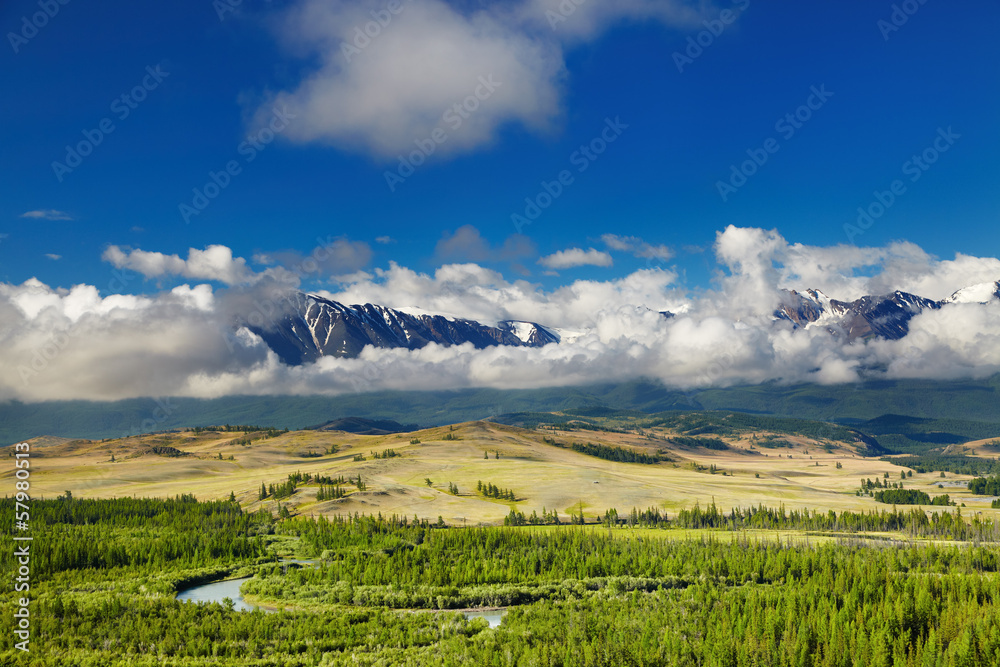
885, 316
314, 327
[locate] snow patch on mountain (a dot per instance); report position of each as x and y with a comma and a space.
981, 293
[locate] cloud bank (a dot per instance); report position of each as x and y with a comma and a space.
80, 343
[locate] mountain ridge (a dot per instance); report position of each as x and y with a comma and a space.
312, 327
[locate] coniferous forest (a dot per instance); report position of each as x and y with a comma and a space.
380, 590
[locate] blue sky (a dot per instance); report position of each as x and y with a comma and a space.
894, 93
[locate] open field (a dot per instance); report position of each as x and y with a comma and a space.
800, 474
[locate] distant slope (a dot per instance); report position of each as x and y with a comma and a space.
363, 426
971, 400
975, 400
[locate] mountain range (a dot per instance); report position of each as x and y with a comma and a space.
313, 327
885, 316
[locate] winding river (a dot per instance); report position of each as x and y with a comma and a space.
218, 591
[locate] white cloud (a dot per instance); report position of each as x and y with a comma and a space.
54, 257
383, 91
47, 214
571, 257
399, 88
216, 262
384, 240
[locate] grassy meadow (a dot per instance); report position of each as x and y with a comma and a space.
537, 464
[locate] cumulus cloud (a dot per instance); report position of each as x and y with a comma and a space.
216, 262
382, 82
430, 67
47, 214
58, 343
572, 257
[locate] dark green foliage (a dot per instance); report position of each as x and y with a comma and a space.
985, 486
79, 534
330, 493
772, 442
910, 497
737, 423
619, 454
493, 491
385, 454
583, 596
170, 452
902, 497
916, 434
912, 522
296, 479
960, 465
691, 443
265, 431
